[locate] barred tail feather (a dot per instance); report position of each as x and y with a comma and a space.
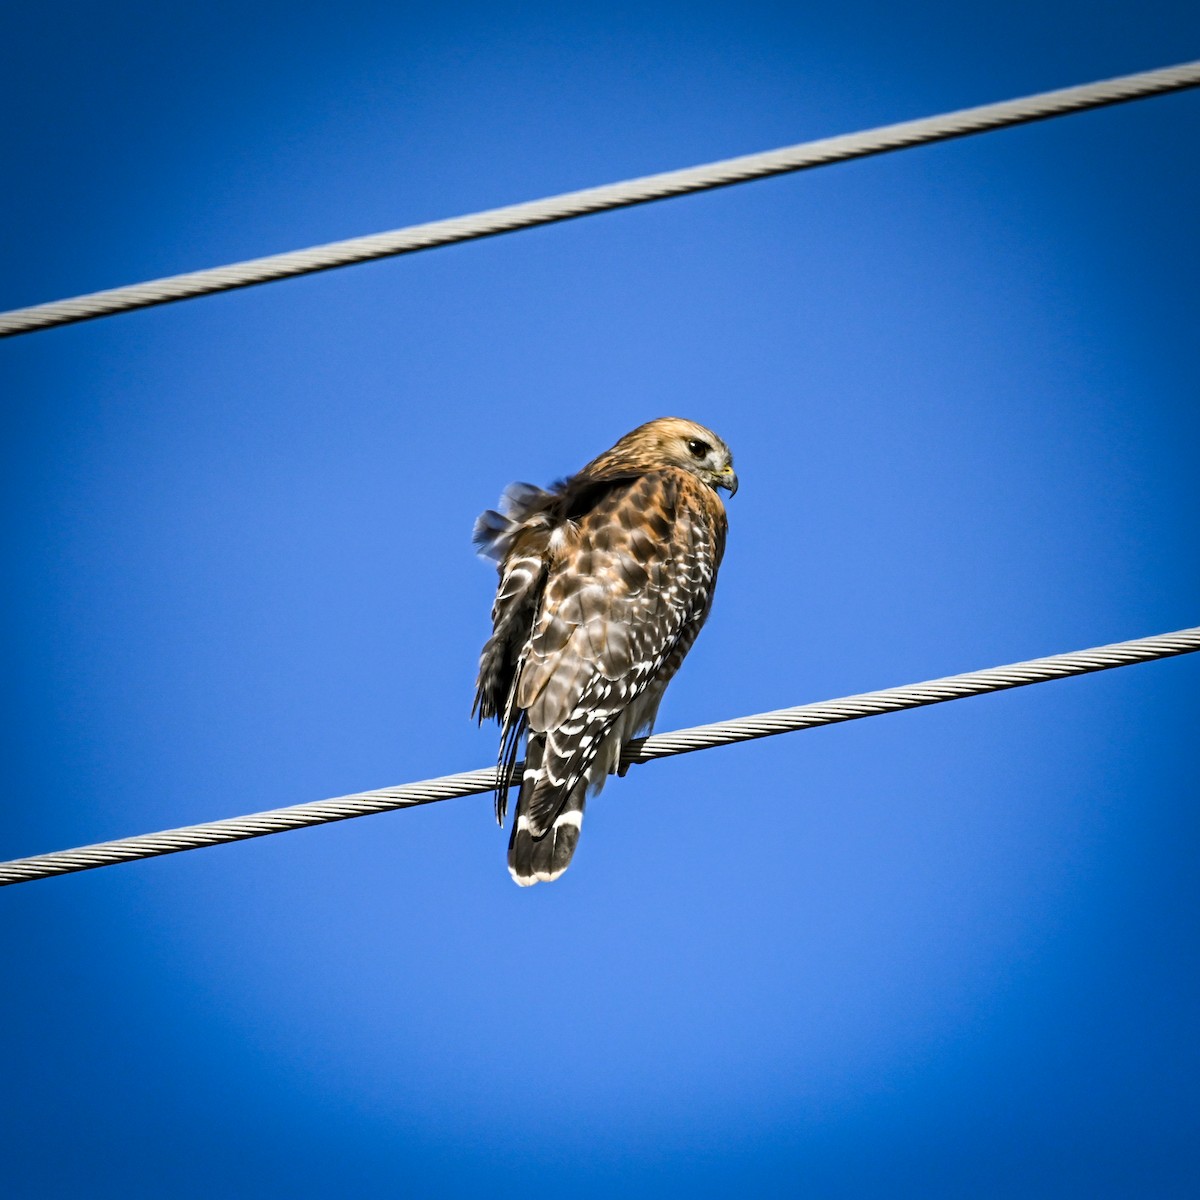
543, 859
547, 821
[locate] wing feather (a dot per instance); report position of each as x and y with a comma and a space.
627, 596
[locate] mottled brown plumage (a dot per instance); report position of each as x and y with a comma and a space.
605, 581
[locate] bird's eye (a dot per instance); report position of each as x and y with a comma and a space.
697, 448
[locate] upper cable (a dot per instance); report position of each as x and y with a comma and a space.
512, 217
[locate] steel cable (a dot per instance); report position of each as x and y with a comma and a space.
602, 199
663, 745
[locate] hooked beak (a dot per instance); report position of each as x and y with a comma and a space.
727, 479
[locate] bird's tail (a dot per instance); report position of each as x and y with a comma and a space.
547, 822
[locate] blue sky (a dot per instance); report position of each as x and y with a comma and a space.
943, 953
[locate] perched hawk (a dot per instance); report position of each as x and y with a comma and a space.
605, 580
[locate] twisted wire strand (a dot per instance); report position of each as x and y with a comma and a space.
512, 217
664, 745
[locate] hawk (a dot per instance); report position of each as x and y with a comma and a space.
605, 581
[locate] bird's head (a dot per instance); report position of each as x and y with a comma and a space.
675, 442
